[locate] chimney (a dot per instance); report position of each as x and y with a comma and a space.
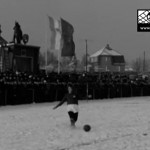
108, 47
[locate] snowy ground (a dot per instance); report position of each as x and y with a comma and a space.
117, 124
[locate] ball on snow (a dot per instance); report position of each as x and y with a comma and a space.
87, 127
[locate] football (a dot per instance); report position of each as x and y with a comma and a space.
87, 128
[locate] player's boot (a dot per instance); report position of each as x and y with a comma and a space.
72, 122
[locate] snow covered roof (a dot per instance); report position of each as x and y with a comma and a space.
107, 50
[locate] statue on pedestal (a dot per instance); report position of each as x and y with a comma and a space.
17, 33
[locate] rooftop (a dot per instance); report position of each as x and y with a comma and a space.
107, 50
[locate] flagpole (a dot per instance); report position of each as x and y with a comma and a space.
58, 61
86, 57
46, 61
60, 48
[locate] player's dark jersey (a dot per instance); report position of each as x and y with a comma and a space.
70, 98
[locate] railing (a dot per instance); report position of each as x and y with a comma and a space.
13, 94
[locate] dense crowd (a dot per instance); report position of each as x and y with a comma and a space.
23, 87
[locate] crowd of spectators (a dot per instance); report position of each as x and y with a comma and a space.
23, 87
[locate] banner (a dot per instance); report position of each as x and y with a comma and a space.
55, 33
68, 46
61, 36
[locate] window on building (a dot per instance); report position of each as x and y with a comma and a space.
94, 59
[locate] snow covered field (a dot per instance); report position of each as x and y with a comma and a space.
117, 124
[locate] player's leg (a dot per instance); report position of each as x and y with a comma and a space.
72, 118
75, 116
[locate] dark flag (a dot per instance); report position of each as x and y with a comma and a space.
68, 48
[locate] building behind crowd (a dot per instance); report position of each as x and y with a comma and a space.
107, 59
18, 57
23, 58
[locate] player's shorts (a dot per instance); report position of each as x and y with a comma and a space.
73, 107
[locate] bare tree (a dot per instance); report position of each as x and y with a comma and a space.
41, 59
84, 59
140, 65
51, 58
146, 65
137, 65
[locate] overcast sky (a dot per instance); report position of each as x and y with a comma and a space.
99, 21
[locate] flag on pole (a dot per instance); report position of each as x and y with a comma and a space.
68, 47
55, 35
61, 36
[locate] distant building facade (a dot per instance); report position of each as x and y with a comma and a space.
19, 57
107, 59
23, 58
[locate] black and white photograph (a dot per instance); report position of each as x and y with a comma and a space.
74, 75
